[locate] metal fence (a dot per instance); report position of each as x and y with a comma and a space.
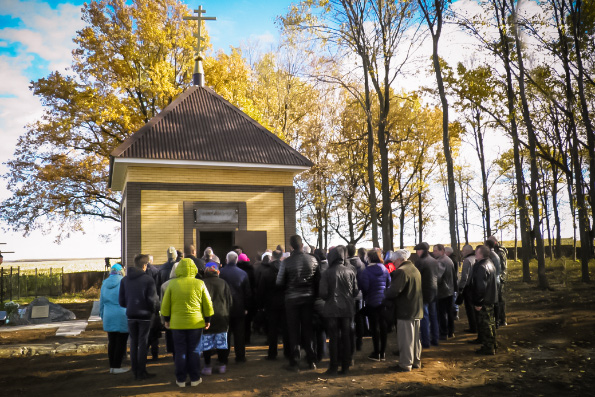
16, 283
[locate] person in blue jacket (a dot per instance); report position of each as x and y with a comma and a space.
115, 322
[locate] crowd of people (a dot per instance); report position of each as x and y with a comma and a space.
305, 297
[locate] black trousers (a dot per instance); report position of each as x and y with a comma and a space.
360, 325
275, 318
139, 337
446, 316
299, 327
378, 328
116, 348
237, 328
222, 356
339, 333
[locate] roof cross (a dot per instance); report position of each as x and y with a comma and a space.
199, 17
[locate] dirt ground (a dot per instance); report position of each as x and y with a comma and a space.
546, 349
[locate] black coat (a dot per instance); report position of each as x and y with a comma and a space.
165, 271
484, 290
268, 295
138, 295
338, 287
446, 284
430, 273
238, 282
200, 266
222, 302
299, 276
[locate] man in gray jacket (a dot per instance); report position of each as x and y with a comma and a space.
405, 289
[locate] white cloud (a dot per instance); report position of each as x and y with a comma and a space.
43, 39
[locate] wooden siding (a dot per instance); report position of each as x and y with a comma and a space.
209, 176
162, 217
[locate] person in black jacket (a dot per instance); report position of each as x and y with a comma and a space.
503, 256
484, 294
270, 297
238, 282
338, 289
155, 331
190, 252
138, 295
430, 274
358, 267
299, 276
215, 338
446, 288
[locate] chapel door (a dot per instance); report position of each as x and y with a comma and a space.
253, 243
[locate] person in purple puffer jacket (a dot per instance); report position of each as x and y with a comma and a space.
373, 281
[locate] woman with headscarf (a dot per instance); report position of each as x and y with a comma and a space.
187, 309
115, 322
338, 289
215, 338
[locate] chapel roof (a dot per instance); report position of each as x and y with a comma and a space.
202, 126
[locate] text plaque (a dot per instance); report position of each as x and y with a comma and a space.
40, 311
216, 215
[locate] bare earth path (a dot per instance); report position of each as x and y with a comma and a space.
547, 349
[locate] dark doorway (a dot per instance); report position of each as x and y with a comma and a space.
220, 242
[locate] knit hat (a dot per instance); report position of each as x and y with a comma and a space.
243, 258
212, 265
116, 269
171, 253
266, 254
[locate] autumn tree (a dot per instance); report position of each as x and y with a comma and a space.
132, 59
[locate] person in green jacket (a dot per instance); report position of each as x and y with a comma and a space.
187, 309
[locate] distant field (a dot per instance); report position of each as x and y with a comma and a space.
69, 265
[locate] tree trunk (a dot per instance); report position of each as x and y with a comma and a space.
522, 203
371, 177
534, 172
586, 230
484, 175
452, 195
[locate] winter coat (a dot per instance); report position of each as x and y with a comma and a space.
222, 301
405, 289
238, 282
186, 302
138, 294
249, 269
358, 267
299, 276
503, 255
338, 286
466, 270
200, 265
165, 270
496, 261
113, 315
446, 286
268, 295
430, 274
374, 280
484, 290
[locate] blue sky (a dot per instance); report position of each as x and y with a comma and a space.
36, 39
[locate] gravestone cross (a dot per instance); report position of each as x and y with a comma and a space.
198, 72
